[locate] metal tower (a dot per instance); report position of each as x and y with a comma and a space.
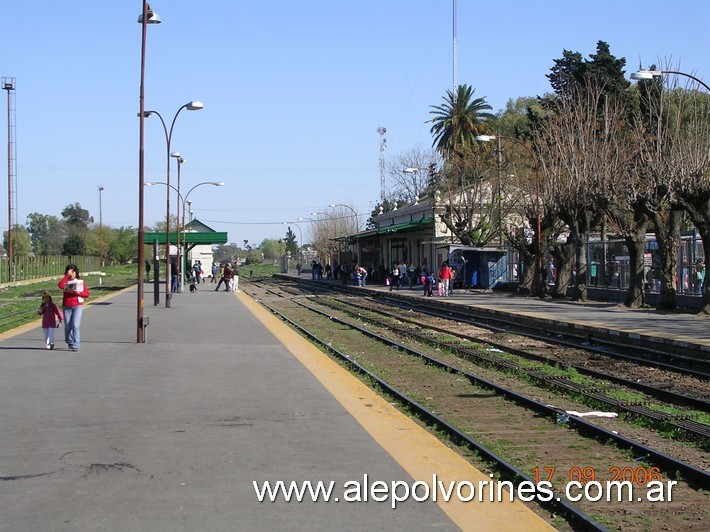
8, 84
383, 145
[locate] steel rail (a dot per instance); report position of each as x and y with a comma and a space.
692, 474
557, 502
659, 393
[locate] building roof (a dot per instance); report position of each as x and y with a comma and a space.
197, 233
197, 225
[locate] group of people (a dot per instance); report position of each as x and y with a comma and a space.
442, 282
227, 275
74, 291
318, 270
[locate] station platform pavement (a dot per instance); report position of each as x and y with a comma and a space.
171, 434
677, 330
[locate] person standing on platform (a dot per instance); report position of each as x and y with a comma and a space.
51, 318
221, 277
444, 278
411, 274
394, 277
402, 273
74, 292
228, 275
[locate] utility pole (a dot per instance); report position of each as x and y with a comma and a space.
8, 84
101, 229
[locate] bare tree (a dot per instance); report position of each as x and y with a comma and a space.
467, 197
674, 135
412, 172
689, 150
581, 155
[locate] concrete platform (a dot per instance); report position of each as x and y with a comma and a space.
171, 434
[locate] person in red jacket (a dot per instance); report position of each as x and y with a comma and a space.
445, 278
74, 292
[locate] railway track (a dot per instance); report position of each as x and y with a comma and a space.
293, 298
689, 362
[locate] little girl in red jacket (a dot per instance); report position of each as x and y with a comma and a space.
51, 318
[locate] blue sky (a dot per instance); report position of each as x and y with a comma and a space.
293, 91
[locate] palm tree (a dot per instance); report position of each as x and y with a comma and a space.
458, 121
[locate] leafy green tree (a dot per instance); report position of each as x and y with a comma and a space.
567, 72
76, 218
458, 121
225, 252
291, 243
74, 244
46, 233
120, 244
272, 249
174, 225
602, 69
20, 241
76, 221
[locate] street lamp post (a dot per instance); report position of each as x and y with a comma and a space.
190, 106
180, 160
334, 227
185, 201
300, 233
188, 202
355, 216
538, 229
641, 75
147, 16
101, 229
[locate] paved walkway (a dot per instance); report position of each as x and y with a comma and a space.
170, 434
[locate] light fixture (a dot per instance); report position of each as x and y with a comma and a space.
645, 74
152, 18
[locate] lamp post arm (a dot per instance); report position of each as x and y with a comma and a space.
686, 75
169, 136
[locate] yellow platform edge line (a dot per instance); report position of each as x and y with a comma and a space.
417, 451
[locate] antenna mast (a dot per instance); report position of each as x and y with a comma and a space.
454, 45
383, 145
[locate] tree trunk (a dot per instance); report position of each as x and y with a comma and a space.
580, 288
698, 207
704, 232
636, 245
528, 274
564, 255
667, 229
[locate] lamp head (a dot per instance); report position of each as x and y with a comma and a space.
645, 74
194, 106
218, 183
175, 154
153, 17
410, 170
485, 138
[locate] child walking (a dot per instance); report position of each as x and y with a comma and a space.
51, 318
